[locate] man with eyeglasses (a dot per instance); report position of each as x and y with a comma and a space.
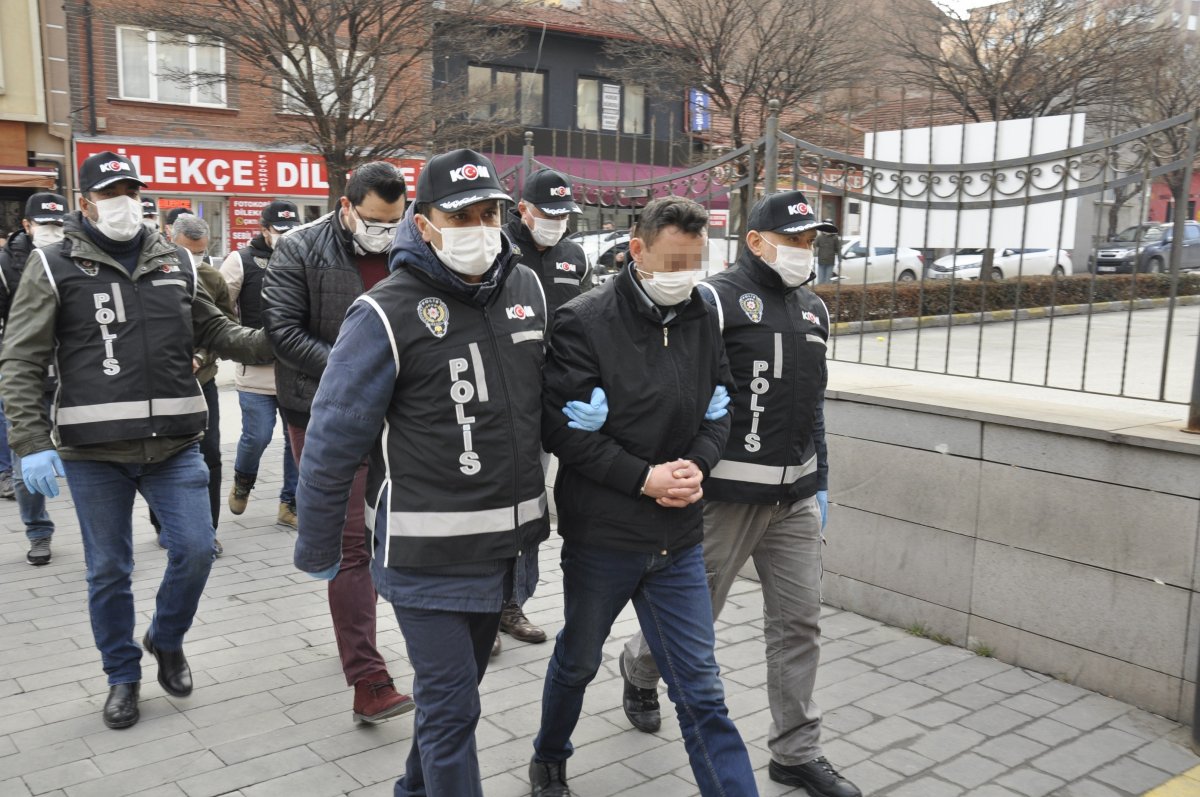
315, 274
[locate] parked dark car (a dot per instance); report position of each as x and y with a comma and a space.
1149, 247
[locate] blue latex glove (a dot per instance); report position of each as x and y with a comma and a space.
588, 417
823, 502
40, 471
716, 406
328, 574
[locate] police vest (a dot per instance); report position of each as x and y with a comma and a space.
776, 342
459, 459
250, 303
124, 349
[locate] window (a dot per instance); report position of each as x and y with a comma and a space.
168, 67
609, 107
505, 94
325, 82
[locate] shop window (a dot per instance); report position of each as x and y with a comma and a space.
610, 107
168, 67
503, 94
326, 81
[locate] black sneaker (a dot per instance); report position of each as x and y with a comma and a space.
817, 777
39, 552
641, 705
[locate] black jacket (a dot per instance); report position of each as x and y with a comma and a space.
659, 379
12, 263
562, 269
776, 340
309, 286
255, 256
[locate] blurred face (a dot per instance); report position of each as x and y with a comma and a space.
372, 212
195, 247
672, 250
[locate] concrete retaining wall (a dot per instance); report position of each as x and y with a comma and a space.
1068, 548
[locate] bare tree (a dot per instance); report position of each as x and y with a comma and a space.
1027, 58
353, 78
742, 54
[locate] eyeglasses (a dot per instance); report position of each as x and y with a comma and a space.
375, 227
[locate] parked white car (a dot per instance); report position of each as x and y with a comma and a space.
880, 264
966, 263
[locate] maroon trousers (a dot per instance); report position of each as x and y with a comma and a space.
352, 595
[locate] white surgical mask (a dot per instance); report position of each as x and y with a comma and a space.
793, 264
468, 250
374, 237
669, 288
547, 232
46, 234
120, 217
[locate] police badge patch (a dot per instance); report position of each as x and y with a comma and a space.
752, 306
88, 267
435, 315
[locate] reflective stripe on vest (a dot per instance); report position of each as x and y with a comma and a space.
130, 410
732, 470
459, 524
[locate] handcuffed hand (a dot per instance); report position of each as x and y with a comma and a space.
675, 484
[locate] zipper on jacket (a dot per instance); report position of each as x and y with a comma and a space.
145, 352
665, 339
512, 428
791, 415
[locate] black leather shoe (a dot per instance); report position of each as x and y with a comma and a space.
818, 777
173, 671
121, 708
548, 779
641, 705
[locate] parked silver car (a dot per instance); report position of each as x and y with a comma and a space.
966, 264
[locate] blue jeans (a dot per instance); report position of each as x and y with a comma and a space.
825, 273
258, 425
32, 506
670, 594
177, 491
449, 652
6, 457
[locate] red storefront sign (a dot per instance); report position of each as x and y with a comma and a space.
245, 219
232, 171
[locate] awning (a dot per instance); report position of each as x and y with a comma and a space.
28, 177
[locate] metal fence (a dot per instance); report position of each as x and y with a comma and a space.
980, 250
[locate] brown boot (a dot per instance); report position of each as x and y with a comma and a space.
376, 699
239, 494
287, 516
514, 623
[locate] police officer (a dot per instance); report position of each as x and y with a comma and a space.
537, 225
42, 226
768, 497
437, 375
244, 271
150, 213
119, 309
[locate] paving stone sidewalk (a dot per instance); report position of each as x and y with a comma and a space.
270, 714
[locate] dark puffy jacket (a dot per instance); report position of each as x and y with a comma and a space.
12, 263
562, 269
659, 378
309, 286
